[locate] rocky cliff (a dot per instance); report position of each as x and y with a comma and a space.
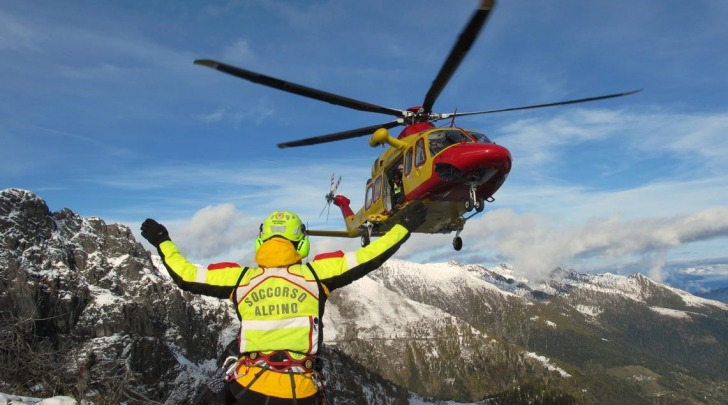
85, 312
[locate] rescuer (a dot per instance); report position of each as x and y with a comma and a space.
280, 302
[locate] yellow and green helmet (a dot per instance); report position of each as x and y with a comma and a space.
286, 225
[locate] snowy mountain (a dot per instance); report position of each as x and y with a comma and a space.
88, 313
584, 329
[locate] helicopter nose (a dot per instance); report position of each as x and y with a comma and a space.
473, 162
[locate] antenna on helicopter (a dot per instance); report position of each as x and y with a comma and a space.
330, 196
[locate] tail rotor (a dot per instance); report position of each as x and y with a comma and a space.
330, 196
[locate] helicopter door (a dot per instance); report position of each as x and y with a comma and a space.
394, 193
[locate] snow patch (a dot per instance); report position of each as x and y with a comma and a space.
546, 362
694, 301
17, 400
379, 313
672, 312
589, 310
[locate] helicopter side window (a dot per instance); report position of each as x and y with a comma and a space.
377, 189
420, 152
370, 192
479, 137
408, 162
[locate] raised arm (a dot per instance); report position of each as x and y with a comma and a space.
336, 272
217, 280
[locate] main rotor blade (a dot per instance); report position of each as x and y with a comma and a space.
298, 89
581, 100
458, 52
339, 136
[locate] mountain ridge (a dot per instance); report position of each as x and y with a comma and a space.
90, 294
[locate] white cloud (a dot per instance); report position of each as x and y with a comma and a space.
537, 141
15, 34
238, 52
696, 140
224, 233
215, 116
536, 244
575, 204
699, 139
214, 230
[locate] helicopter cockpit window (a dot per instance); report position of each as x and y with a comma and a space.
480, 138
440, 140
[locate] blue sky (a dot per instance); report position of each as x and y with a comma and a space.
102, 111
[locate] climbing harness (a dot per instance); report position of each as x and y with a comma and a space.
283, 361
279, 361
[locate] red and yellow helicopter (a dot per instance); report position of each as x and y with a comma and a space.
453, 171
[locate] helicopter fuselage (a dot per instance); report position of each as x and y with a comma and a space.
450, 170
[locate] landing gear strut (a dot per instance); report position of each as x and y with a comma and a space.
367, 236
473, 201
457, 241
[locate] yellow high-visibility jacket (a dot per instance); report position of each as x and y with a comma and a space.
281, 301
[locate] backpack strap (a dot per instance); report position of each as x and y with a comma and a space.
323, 295
235, 293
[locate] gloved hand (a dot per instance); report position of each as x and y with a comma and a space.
154, 232
414, 216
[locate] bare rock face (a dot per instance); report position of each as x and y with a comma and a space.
92, 294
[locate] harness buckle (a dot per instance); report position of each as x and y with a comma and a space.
280, 361
230, 365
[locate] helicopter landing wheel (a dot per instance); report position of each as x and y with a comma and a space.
479, 205
365, 240
457, 243
469, 204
